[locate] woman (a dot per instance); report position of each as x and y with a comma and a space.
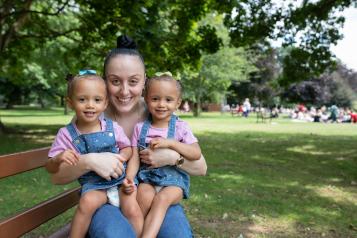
124, 72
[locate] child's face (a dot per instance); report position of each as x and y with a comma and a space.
162, 99
89, 99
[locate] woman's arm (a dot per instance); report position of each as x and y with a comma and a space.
106, 165
161, 157
195, 167
188, 151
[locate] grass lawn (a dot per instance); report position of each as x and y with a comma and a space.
279, 179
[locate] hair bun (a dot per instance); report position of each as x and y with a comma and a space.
126, 42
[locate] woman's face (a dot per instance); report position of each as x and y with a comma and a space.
125, 75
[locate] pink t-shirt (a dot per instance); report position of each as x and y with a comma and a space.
63, 140
183, 133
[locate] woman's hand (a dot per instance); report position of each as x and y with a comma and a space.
107, 165
158, 157
162, 157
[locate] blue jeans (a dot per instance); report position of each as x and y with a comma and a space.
109, 222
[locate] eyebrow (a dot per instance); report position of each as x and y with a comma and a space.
115, 75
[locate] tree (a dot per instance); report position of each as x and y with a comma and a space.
28, 29
262, 85
309, 26
328, 89
211, 82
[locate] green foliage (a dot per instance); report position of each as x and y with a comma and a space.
262, 86
334, 87
310, 26
165, 31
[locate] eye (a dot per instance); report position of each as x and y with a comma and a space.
81, 100
133, 81
154, 99
169, 99
114, 81
98, 100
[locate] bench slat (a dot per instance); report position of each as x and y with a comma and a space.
20, 162
26, 221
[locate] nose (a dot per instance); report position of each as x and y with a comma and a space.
90, 103
162, 103
124, 88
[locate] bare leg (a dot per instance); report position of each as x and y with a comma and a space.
131, 210
88, 204
162, 201
146, 194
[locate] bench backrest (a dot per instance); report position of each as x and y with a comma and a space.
25, 221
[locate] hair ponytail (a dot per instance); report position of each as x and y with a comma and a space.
125, 46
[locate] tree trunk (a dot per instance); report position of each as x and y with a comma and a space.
9, 105
41, 102
197, 107
65, 109
2, 128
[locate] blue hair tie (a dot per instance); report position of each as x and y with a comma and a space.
87, 72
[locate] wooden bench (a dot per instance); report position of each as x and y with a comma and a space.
27, 220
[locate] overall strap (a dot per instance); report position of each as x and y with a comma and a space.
109, 124
72, 131
172, 127
144, 131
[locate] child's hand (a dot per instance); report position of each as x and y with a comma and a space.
70, 157
159, 142
128, 186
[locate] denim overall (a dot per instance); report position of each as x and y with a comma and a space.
167, 175
97, 142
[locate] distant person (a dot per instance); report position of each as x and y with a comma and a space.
246, 107
334, 113
186, 107
91, 133
162, 187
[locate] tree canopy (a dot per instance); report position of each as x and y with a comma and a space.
41, 41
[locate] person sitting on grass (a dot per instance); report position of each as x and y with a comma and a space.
161, 187
90, 132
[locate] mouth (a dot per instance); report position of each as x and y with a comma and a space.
89, 114
161, 111
124, 100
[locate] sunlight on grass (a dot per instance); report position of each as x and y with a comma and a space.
227, 176
307, 149
336, 194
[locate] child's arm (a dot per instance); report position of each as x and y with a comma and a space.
131, 171
189, 151
68, 156
126, 153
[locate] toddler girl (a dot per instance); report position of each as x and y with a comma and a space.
89, 132
161, 187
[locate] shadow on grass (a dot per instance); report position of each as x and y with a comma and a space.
275, 185
258, 184
25, 137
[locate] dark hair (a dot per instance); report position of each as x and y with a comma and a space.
71, 81
125, 46
162, 77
